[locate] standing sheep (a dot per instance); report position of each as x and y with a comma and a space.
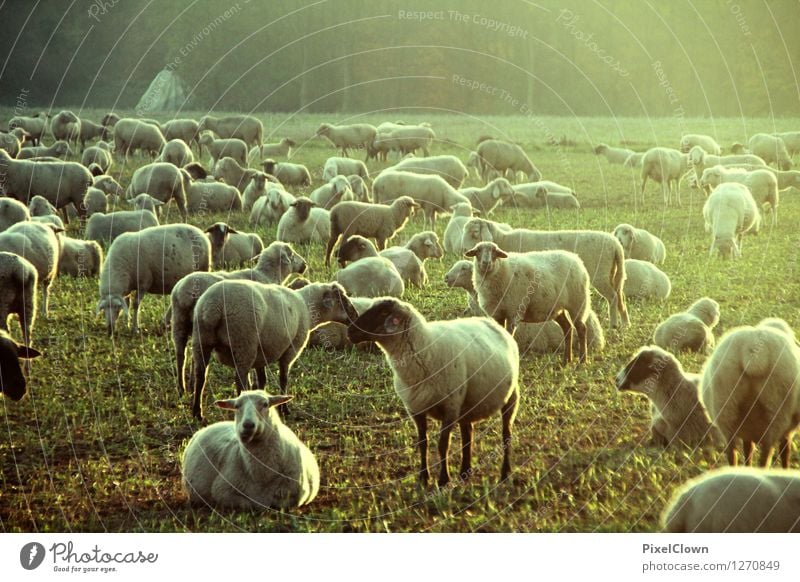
132, 134
729, 213
105, 228
303, 223
405, 139
79, 258
462, 212
244, 127
613, 155
763, 184
486, 199
499, 156
344, 167
221, 148
90, 130
665, 166
706, 142
36, 126
186, 130
336, 190
37, 243
355, 136
66, 126
177, 153
449, 168
163, 182
18, 281
433, 193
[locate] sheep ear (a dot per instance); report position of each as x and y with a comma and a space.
27, 353
473, 252
279, 399
499, 254
226, 404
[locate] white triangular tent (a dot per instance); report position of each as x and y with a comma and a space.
165, 93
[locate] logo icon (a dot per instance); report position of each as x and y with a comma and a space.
31, 555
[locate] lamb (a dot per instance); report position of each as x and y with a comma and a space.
39, 206
708, 143
163, 182
751, 387
791, 140
689, 330
105, 228
80, 258
221, 148
289, 174
736, 500
336, 190
303, 223
59, 149
211, 196
186, 130
61, 183
763, 184
479, 364
360, 189
251, 463
369, 220
256, 188
152, 260
231, 172
645, 281
462, 212
274, 265
665, 166
449, 168
90, 130
371, 277
131, 135
240, 248
282, 149
147, 202
678, 416
177, 153
344, 167
12, 380
406, 139
244, 127
600, 252
37, 243
487, 198
344, 137
18, 281
249, 325
499, 156
612, 154
66, 126
270, 208
771, 149
729, 213
787, 179
432, 193
11, 212
108, 185
99, 154
533, 287
639, 244
36, 126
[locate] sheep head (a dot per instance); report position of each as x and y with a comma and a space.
626, 236
281, 259
643, 372
332, 304
711, 177
385, 321
486, 255
460, 275
354, 248
696, 155
302, 208
706, 310
475, 231
111, 306
12, 380
254, 413
502, 189
600, 149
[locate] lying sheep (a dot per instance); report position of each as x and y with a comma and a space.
689, 330
289, 174
431, 192
763, 184
487, 198
368, 220
177, 153
550, 200
105, 228
536, 194
343, 167
91, 130
678, 416
252, 463
449, 168
405, 139
699, 160
533, 287
751, 387
612, 154
152, 260
462, 212
304, 223
645, 281
788, 179
640, 244
336, 190
221, 148
11, 212
163, 182
499, 156
10, 143
38, 244
665, 166
708, 143
131, 135
211, 196
231, 172
12, 380
344, 137
18, 281
249, 325
59, 149
240, 248
99, 154
771, 149
371, 276
475, 355
247, 128
600, 252
736, 500
270, 208
360, 189
80, 258
282, 149
186, 130
729, 213
66, 126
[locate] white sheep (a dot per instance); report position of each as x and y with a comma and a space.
176, 152
612, 154
409, 260
708, 143
65, 125
763, 184
432, 192
699, 160
253, 462
371, 276
665, 166
736, 500
791, 140
208, 195
38, 244
449, 168
134, 134
105, 228
289, 174
343, 167
256, 188
147, 202
344, 137
751, 388
163, 182
405, 139
360, 189
240, 248
645, 281
453, 233
729, 213
304, 223
691, 329
640, 244
36, 126
771, 149
247, 128
11, 212
458, 372
222, 148
677, 415
152, 260
80, 258
336, 190
282, 149
18, 281
13, 385
59, 149
487, 198
499, 156
269, 209
108, 186
186, 130
231, 172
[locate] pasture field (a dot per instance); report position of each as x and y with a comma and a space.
96, 445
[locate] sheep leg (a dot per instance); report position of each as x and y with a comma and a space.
565, 322
329, 248
180, 337
261, 378
580, 327
730, 452
283, 379
444, 450
766, 455
644, 183
749, 452
422, 443
199, 369
241, 380
137, 300
786, 451
466, 449
508, 413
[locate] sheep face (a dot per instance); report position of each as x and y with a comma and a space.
324, 129
111, 306
12, 380
502, 189
254, 413
459, 275
335, 306
711, 178
108, 185
354, 248
727, 247
39, 206
288, 142
641, 374
60, 149
385, 320
218, 233
430, 248
109, 119
283, 256
601, 149
475, 231
486, 255
625, 235
196, 171
302, 208
697, 155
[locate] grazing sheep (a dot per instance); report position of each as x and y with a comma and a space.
240, 248
231, 172
665, 166
66, 126
751, 387
763, 184
163, 182
303, 223
11, 212
37, 243
771, 149
99, 154
487, 198
360, 189
198, 172
108, 185
369, 220
249, 325
787, 179
708, 143
405, 139
791, 140
18, 281
221, 148
699, 160
152, 260
270, 208
478, 365
640, 244
371, 277
105, 228
600, 252
449, 168
59, 149
288, 174
454, 231
244, 127
613, 155
645, 281
336, 190
678, 416
80, 258
131, 135
634, 161
432, 193
39, 206
344, 167
12, 380
256, 188
736, 500
499, 156
211, 196
557, 200
689, 330
533, 287
147, 202
36, 126
186, 130
177, 153
90, 130
729, 213
355, 136
251, 463
282, 149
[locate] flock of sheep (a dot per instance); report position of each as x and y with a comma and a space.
528, 290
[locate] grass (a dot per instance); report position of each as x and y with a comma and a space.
96, 446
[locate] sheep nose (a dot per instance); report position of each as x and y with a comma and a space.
248, 425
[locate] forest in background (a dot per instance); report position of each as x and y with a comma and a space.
682, 58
